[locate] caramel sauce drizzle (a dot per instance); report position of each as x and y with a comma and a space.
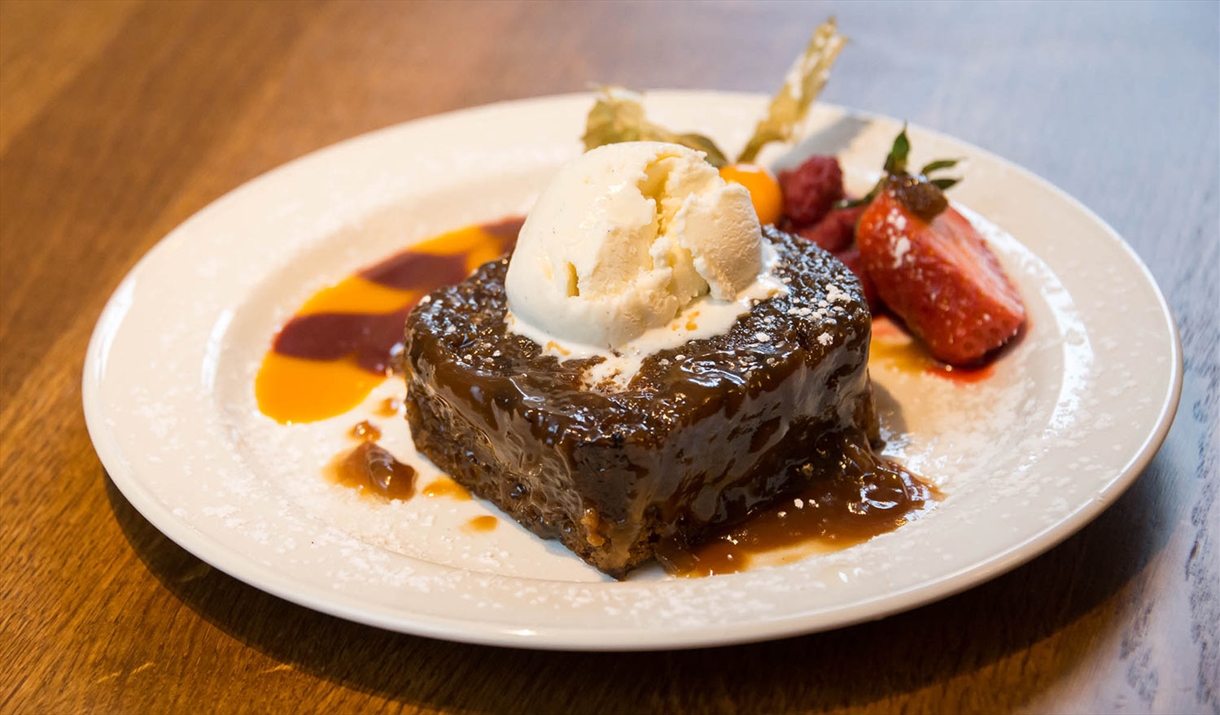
390, 407
371, 470
366, 432
481, 524
446, 487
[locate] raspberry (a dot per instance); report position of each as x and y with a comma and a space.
811, 190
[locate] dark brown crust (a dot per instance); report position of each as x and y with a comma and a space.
688, 446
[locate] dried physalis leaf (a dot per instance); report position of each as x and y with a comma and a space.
618, 116
801, 86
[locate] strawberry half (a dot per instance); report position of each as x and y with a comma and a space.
932, 269
811, 190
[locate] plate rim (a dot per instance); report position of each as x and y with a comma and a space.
600, 639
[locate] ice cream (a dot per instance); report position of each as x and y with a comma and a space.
624, 239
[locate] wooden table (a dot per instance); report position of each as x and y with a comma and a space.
121, 119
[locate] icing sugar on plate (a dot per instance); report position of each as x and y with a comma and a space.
1064, 424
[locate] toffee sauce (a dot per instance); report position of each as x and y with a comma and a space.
446, 487
869, 497
345, 340
481, 524
370, 469
366, 431
390, 407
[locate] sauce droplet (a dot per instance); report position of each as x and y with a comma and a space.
446, 487
481, 524
390, 407
370, 469
366, 431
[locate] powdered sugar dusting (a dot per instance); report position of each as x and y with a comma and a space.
170, 405
901, 247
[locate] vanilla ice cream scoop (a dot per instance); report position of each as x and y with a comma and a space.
624, 238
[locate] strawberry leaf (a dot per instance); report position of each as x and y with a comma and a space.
896, 169
896, 162
938, 165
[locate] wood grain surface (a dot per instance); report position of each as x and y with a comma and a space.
118, 120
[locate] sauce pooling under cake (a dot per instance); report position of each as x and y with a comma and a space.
865, 497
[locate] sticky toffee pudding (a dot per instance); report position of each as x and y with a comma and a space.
703, 436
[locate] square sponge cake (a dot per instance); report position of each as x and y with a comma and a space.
698, 438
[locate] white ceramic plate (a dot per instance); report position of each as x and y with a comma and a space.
1069, 419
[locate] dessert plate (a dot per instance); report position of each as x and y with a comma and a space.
1068, 419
